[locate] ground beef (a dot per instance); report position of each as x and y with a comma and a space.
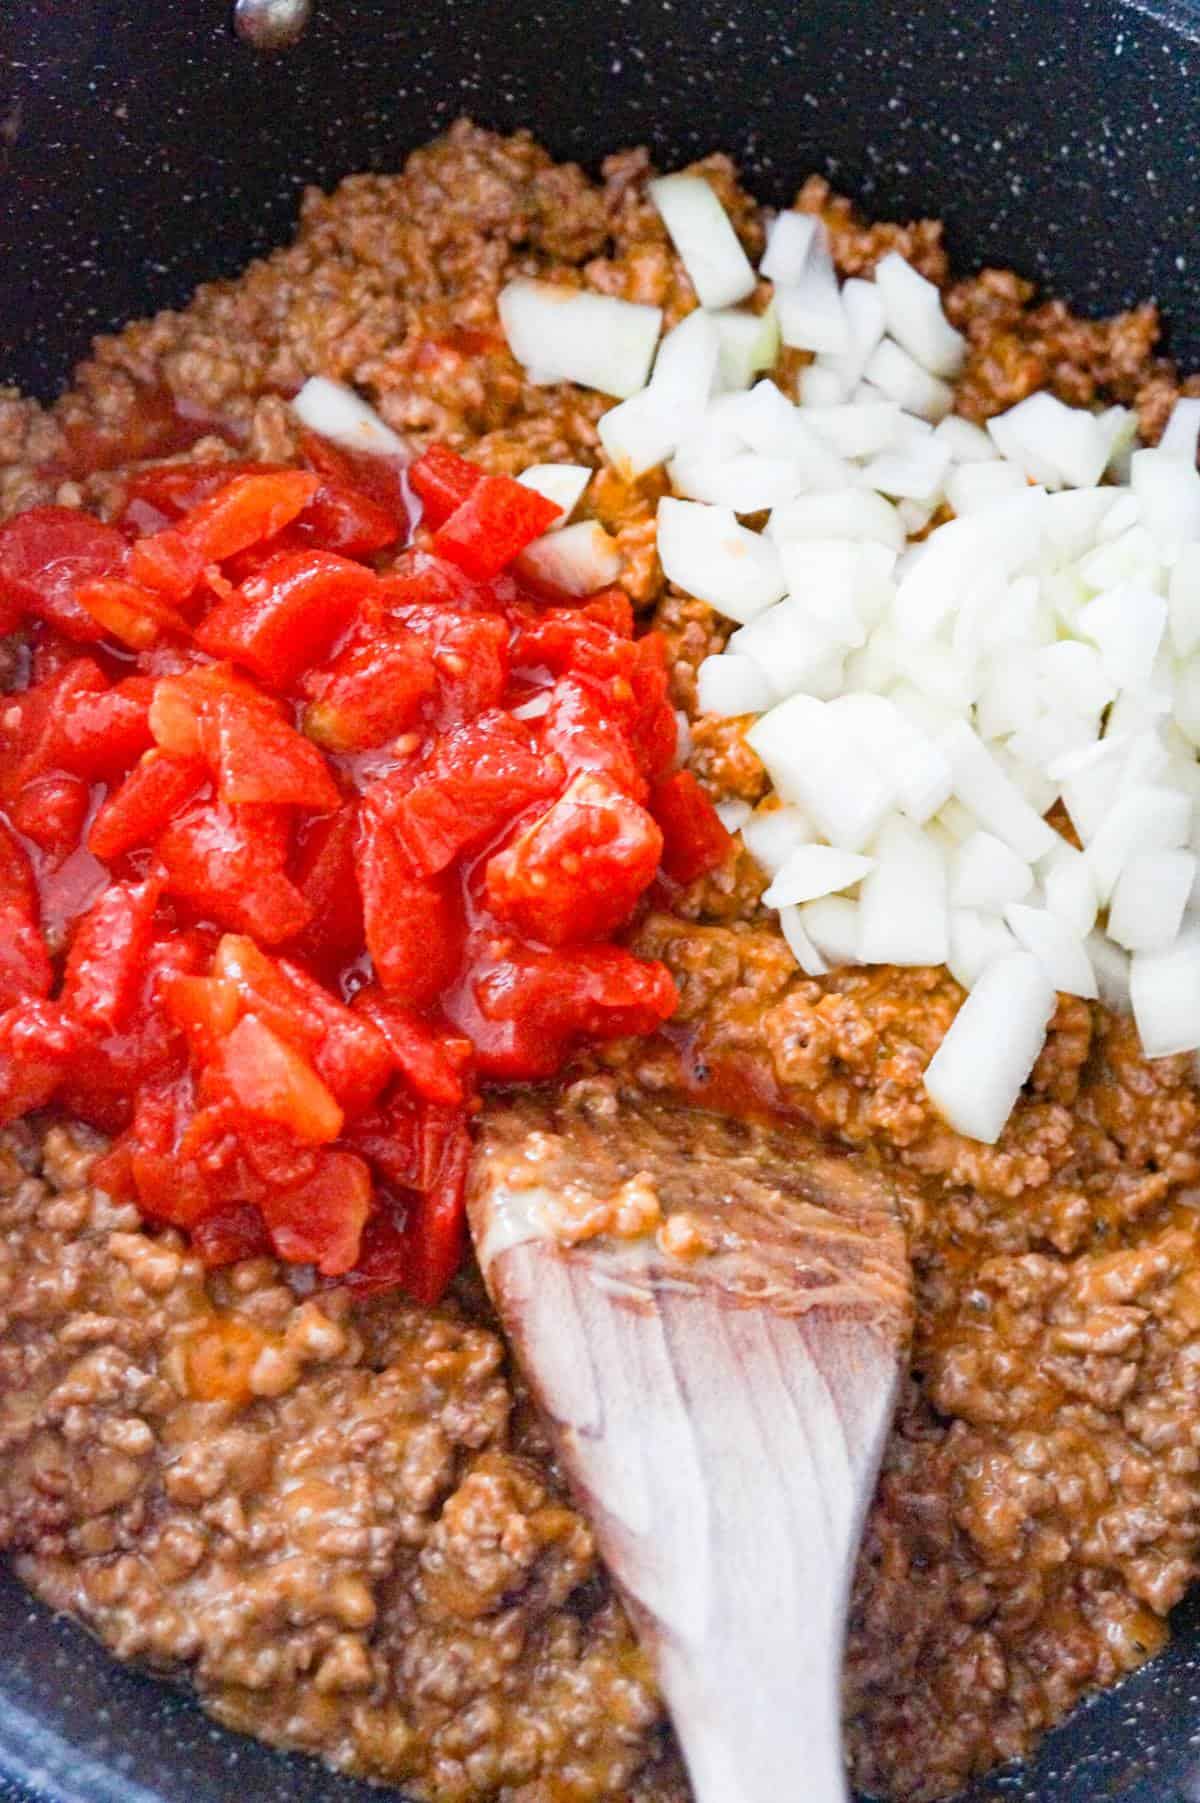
341, 1521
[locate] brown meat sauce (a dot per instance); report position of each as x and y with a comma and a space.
340, 1521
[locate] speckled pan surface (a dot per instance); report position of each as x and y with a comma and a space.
142, 148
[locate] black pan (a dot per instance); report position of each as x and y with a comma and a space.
142, 149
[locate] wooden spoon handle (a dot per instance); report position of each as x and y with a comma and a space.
724, 1455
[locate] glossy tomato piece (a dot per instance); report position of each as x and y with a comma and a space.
249, 507
206, 1009
653, 727
18, 886
51, 810
231, 1232
320, 1221
45, 554
587, 739
694, 840
492, 525
443, 480
413, 923
475, 779
228, 862
130, 613
107, 956
265, 1077
289, 615
25, 969
258, 757
371, 476
99, 736
184, 702
38, 1043
373, 691
576, 872
157, 789
28, 721
171, 489
324, 872
430, 1058
535, 1006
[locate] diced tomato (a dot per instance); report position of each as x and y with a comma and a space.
155, 791
444, 481
694, 840
183, 704
419, 581
613, 608
167, 563
346, 1049
325, 875
107, 955
372, 476
101, 736
430, 1059
134, 615
320, 1221
18, 887
228, 863
169, 1187
653, 728
566, 639
373, 690
436, 1229
29, 721
493, 524
25, 969
264, 1076
341, 518
170, 489
232, 1232
288, 615
476, 778
577, 729
422, 1251
576, 872
257, 757
533, 1006
206, 1008
44, 554
242, 511
50, 812
37, 1045
413, 924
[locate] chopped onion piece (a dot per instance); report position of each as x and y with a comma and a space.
1184, 593
916, 473
855, 513
1165, 993
703, 234
748, 483
578, 559
1052, 443
832, 925
793, 651
1127, 625
640, 433
562, 483
986, 873
734, 813
815, 760
816, 870
862, 305
902, 917
1182, 429
966, 442
806, 954
1168, 491
856, 428
791, 239
1148, 899
1060, 952
976, 940
574, 335
984, 1061
994, 799
336, 412
1143, 818
749, 343
731, 685
1111, 966
820, 386
902, 379
811, 317
976, 485
771, 835
708, 554
912, 311
1068, 889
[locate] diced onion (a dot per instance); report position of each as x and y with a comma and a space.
562, 483
976, 940
1148, 900
578, 559
791, 238
772, 834
708, 554
912, 311
992, 796
831, 923
749, 343
1143, 818
702, 233
1182, 429
731, 685
816, 870
574, 335
855, 514
815, 760
984, 1061
1059, 951
902, 379
336, 412
1168, 491
902, 916
806, 954
987, 873
1165, 993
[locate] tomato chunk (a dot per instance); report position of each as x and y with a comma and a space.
25, 969
129, 612
374, 690
493, 524
288, 615
577, 871
44, 554
228, 862
51, 810
478, 777
320, 1220
154, 792
107, 955
18, 887
37, 1045
444, 481
264, 1076
539, 1004
249, 507
325, 876
230, 1233
430, 1059
413, 923
694, 840
257, 757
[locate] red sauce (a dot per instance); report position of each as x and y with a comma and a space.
298, 844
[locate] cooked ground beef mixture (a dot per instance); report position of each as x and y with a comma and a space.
338, 1519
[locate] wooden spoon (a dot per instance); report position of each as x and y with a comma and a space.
720, 1415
